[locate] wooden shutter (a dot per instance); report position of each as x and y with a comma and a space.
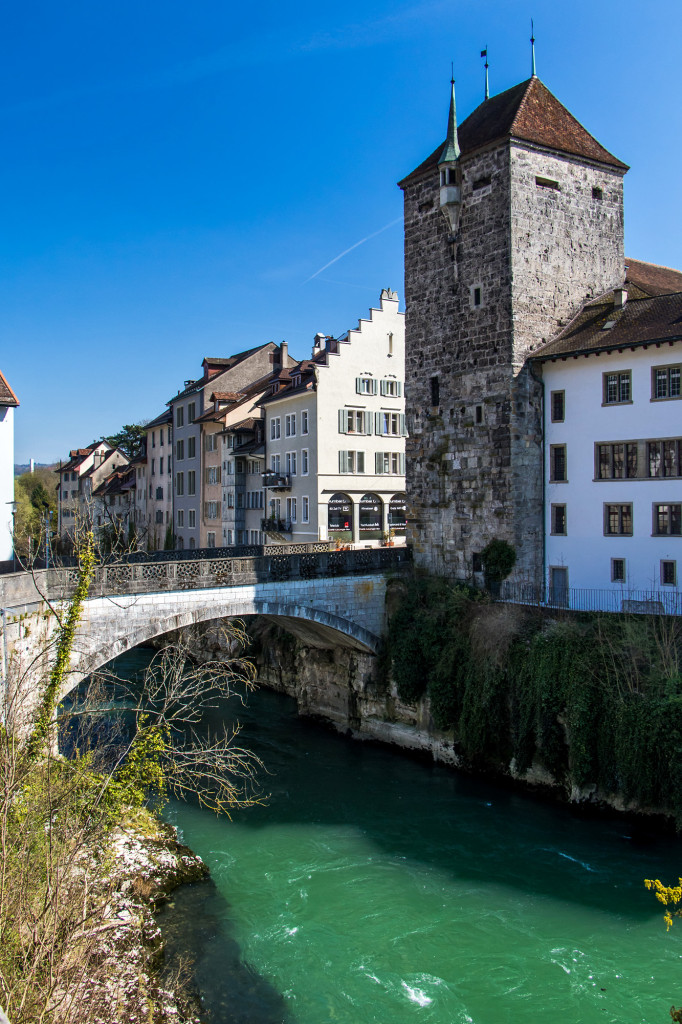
403, 432
378, 462
401, 463
343, 462
359, 462
343, 421
374, 384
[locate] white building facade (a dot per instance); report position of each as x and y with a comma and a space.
335, 438
8, 403
613, 449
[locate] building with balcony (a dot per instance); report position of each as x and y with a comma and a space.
335, 437
231, 375
79, 477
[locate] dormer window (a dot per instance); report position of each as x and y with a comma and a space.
296, 381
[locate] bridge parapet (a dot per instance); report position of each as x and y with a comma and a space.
198, 574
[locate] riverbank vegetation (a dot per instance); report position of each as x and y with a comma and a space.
67, 822
594, 699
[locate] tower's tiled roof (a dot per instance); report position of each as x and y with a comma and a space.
7, 396
528, 112
651, 279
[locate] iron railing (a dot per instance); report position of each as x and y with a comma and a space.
639, 602
150, 577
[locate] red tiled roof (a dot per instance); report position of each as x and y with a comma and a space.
528, 112
7, 396
649, 320
651, 279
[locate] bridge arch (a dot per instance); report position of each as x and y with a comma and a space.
111, 626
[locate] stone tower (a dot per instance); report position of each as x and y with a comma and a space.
509, 225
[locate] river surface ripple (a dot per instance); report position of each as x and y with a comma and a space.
378, 888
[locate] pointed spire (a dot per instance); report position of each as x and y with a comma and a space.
533, 73
451, 149
484, 53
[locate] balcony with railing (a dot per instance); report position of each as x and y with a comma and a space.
275, 525
277, 481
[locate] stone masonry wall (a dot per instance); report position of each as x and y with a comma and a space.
474, 460
566, 244
459, 453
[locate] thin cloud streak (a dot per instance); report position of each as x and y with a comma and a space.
350, 248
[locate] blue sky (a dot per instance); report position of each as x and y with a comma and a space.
176, 175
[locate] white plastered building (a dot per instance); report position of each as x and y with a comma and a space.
613, 446
335, 438
8, 403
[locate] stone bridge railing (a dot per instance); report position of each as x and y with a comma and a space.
148, 577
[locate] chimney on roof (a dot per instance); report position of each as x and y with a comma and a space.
283, 354
319, 342
620, 297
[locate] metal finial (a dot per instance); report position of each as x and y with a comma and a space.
452, 72
484, 53
532, 50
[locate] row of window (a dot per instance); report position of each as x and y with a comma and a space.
384, 424
666, 383
384, 462
191, 449
291, 509
625, 460
168, 465
161, 432
254, 499
369, 386
290, 463
289, 425
180, 414
618, 520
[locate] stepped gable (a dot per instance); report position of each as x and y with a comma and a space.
528, 112
7, 396
600, 325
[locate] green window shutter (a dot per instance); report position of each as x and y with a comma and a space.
403, 432
383, 387
375, 387
343, 421
377, 423
358, 385
399, 391
401, 463
378, 462
360, 461
368, 422
343, 462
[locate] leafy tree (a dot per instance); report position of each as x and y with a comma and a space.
32, 492
498, 558
130, 439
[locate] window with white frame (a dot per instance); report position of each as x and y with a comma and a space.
191, 447
305, 509
290, 425
290, 463
211, 510
351, 462
179, 451
392, 463
304, 462
355, 421
179, 483
275, 428
393, 388
191, 482
210, 442
291, 509
213, 475
389, 424
180, 416
191, 518
181, 517
304, 421
366, 386
275, 463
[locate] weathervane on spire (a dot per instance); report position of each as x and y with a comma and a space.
532, 49
484, 53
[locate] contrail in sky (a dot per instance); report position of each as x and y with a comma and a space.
350, 249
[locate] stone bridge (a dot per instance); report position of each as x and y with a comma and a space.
327, 598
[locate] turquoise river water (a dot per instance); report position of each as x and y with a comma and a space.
374, 887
